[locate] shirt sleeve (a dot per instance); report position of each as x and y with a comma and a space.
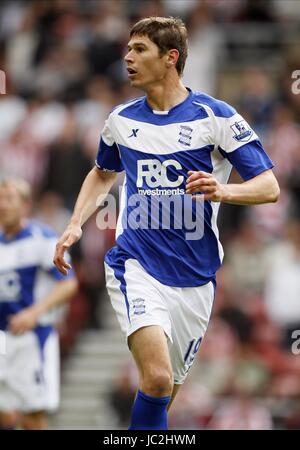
108, 156
238, 143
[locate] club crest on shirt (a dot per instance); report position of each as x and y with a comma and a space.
185, 135
242, 131
139, 306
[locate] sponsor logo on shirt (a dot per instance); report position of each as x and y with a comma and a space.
154, 173
10, 286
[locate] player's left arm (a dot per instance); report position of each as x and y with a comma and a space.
28, 318
262, 188
237, 143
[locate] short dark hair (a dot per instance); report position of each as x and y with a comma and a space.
166, 33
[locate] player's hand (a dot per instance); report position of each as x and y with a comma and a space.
23, 321
204, 183
70, 236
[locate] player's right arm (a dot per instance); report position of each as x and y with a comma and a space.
96, 183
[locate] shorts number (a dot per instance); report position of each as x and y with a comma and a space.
191, 352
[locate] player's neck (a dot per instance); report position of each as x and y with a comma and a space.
164, 96
12, 230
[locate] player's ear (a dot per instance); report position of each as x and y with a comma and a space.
26, 207
172, 57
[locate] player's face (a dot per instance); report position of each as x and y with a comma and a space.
12, 207
145, 66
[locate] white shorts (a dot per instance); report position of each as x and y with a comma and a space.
29, 378
140, 300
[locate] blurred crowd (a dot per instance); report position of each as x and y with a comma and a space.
64, 74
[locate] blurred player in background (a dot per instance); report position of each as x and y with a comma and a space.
30, 289
171, 143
